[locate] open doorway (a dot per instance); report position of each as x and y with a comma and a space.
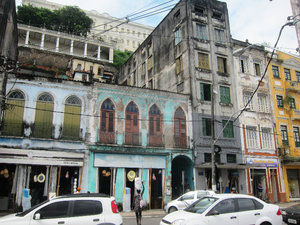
131, 173
106, 181
69, 177
156, 188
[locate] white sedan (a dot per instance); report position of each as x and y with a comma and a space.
186, 199
226, 209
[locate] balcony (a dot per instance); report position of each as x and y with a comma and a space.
180, 142
132, 139
156, 140
107, 137
295, 114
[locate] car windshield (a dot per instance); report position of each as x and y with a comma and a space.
21, 214
201, 205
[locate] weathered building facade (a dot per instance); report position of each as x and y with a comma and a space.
258, 133
190, 52
284, 75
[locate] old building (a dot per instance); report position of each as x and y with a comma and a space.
190, 52
122, 34
284, 74
258, 133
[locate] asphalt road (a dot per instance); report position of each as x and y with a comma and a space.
146, 220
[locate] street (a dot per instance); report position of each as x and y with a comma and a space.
146, 220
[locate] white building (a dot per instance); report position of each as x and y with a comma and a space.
127, 36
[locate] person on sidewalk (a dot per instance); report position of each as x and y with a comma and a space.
260, 191
137, 204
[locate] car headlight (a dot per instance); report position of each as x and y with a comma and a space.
179, 222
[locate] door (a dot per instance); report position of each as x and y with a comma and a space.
87, 212
249, 210
53, 213
224, 212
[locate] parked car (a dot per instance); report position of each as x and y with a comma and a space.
291, 215
226, 209
186, 199
76, 209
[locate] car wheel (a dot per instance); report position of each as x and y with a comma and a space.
172, 209
265, 223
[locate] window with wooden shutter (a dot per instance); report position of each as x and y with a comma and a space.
225, 95
13, 114
131, 124
72, 116
44, 116
203, 61
107, 125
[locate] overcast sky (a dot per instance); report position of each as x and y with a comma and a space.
259, 21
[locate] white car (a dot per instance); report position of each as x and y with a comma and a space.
186, 199
77, 209
226, 209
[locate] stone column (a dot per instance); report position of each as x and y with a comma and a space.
27, 37
57, 44
42, 41
71, 47
98, 53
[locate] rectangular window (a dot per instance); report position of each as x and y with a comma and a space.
296, 136
228, 130
205, 92
287, 73
207, 158
275, 71
201, 31
246, 98
220, 36
284, 135
225, 95
298, 76
257, 69
222, 65
292, 103
263, 104
178, 36
179, 65
203, 61
231, 158
279, 99
150, 63
244, 65
266, 138
206, 126
143, 71
251, 136
71, 128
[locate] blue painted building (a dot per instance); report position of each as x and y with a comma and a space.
144, 133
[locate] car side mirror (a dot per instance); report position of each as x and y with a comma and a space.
213, 213
37, 216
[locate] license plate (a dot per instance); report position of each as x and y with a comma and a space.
292, 221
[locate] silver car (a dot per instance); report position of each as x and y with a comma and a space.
186, 199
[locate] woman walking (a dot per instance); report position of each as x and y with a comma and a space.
137, 204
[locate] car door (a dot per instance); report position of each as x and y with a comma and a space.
249, 211
52, 213
224, 212
86, 212
186, 200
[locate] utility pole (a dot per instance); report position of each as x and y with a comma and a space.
213, 160
8, 47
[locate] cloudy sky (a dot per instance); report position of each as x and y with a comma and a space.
259, 21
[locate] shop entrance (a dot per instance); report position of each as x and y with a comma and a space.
69, 180
156, 188
294, 182
106, 180
6, 181
258, 177
131, 173
182, 175
37, 184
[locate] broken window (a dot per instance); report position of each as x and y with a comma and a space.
222, 65
244, 65
205, 91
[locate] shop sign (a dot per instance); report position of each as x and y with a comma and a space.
262, 162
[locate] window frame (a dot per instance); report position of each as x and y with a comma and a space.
205, 95
203, 61
201, 30
179, 65
178, 36
284, 135
228, 131
225, 96
222, 65
279, 99
206, 127
252, 138
275, 70
287, 74
296, 136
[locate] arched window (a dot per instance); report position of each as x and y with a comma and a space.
179, 128
132, 124
107, 126
72, 115
13, 115
155, 126
43, 116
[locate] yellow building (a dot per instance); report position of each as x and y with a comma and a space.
284, 71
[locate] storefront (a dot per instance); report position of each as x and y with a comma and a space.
292, 180
42, 173
265, 173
